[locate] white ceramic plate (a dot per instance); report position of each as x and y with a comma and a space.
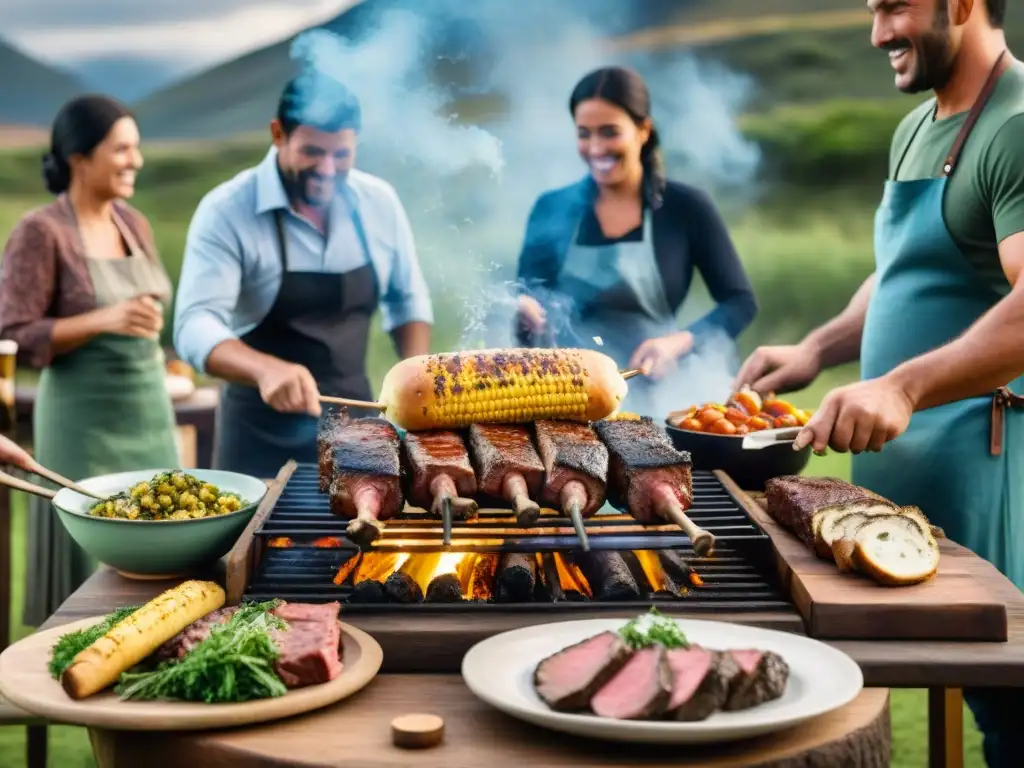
499, 671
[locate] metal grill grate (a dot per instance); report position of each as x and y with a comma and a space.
740, 575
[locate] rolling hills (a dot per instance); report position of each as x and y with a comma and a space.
31, 91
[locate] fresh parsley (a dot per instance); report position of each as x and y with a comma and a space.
73, 643
651, 629
234, 664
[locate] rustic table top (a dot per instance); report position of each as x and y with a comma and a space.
892, 664
357, 732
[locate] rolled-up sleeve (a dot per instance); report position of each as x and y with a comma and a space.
407, 298
209, 285
28, 275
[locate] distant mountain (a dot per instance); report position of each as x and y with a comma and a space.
241, 95
31, 92
128, 78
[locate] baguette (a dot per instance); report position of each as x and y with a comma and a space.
454, 390
130, 641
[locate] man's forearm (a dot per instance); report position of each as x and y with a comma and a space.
236, 361
989, 355
838, 341
411, 339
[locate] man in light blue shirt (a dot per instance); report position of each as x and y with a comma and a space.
285, 265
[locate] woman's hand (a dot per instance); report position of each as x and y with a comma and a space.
13, 454
141, 316
657, 356
531, 314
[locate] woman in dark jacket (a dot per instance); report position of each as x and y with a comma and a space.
608, 261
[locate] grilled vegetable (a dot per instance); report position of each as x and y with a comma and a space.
169, 496
501, 386
73, 643
133, 639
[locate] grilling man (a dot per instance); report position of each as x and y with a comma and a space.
285, 265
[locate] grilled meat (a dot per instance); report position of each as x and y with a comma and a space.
507, 467
366, 485
439, 470
575, 465
640, 690
797, 503
328, 429
761, 677
648, 476
701, 680
567, 680
517, 578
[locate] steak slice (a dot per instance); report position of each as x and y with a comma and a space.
762, 677
701, 679
567, 680
797, 503
310, 649
182, 643
641, 689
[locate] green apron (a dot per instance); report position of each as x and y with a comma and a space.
101, 408
926, 294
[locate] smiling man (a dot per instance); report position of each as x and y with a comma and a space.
285, 265
939, 326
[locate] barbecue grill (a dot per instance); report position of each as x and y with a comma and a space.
298, 551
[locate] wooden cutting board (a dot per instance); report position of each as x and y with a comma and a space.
966, 599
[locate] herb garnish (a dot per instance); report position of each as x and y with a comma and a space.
653, 628
73, 643
235, 663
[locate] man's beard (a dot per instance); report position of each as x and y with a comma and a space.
933, 56
297, 184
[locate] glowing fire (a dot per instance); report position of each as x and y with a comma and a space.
652, 569
324, 542
477, 573
570, 577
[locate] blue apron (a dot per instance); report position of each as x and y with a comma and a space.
960, 462
617, 302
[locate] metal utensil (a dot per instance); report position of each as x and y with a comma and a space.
755, 441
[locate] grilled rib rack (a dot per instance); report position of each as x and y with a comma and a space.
304, 546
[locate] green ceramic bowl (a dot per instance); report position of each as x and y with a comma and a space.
154, 549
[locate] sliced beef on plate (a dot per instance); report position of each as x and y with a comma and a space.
182, 643
310, 649
701, 679
640, 690
762, 677
568, 679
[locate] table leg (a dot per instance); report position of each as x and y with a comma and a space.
945, 728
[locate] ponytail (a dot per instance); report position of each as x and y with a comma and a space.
653, 162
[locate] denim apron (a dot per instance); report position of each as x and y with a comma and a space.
960, 462
617, 302
320, 320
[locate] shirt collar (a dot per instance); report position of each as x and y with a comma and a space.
270, 194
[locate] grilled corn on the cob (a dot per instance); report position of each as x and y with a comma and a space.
501, 386
130, 641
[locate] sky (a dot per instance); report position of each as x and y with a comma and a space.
136, 45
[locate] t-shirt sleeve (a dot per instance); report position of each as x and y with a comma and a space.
1004, 178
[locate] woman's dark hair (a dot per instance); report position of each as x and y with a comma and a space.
627, 90
80, 125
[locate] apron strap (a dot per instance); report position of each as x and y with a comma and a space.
282, 241
1001, 400
972, 117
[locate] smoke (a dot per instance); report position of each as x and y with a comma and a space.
465, 112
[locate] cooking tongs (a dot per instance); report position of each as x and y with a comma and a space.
37, 490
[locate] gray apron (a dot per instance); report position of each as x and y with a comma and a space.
101, 408
617, 301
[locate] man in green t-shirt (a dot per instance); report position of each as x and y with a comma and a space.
939, 326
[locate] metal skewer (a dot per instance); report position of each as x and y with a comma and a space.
577, 523
446, 521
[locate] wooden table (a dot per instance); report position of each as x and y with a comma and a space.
936, 666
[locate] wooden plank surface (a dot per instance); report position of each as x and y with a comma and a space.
357, 733
966, 600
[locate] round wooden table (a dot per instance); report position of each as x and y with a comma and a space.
357, 732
